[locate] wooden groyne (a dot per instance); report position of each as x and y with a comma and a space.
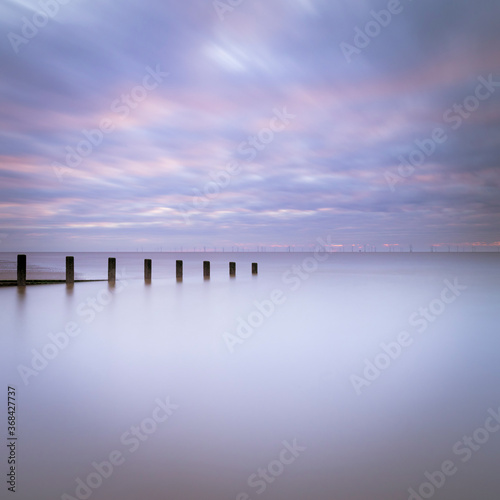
70, 272
178, 269
21, 270
206, 269
111, 269
148, 269
22, 279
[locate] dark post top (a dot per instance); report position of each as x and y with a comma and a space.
111, 269
70, 270
206, 268
178, 268
21, 270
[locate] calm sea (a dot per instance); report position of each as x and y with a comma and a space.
338, 376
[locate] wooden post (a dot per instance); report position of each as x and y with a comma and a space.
232, 269
206, 269
254, 268
178, 269
70, 270
21, 270
111, 269
147, 269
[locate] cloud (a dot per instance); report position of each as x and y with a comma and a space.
325, 170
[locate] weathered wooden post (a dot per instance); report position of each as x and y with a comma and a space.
21, 270
111, 269
254, 268
178, 269
147, 269
206, 269
70, 270
232, 269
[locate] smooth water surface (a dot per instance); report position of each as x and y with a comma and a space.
248, 374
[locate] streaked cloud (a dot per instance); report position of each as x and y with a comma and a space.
147, 179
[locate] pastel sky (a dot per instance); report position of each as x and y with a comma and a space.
161, 123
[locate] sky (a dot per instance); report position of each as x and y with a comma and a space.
160, 124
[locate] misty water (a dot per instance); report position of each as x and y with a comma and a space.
316, 400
